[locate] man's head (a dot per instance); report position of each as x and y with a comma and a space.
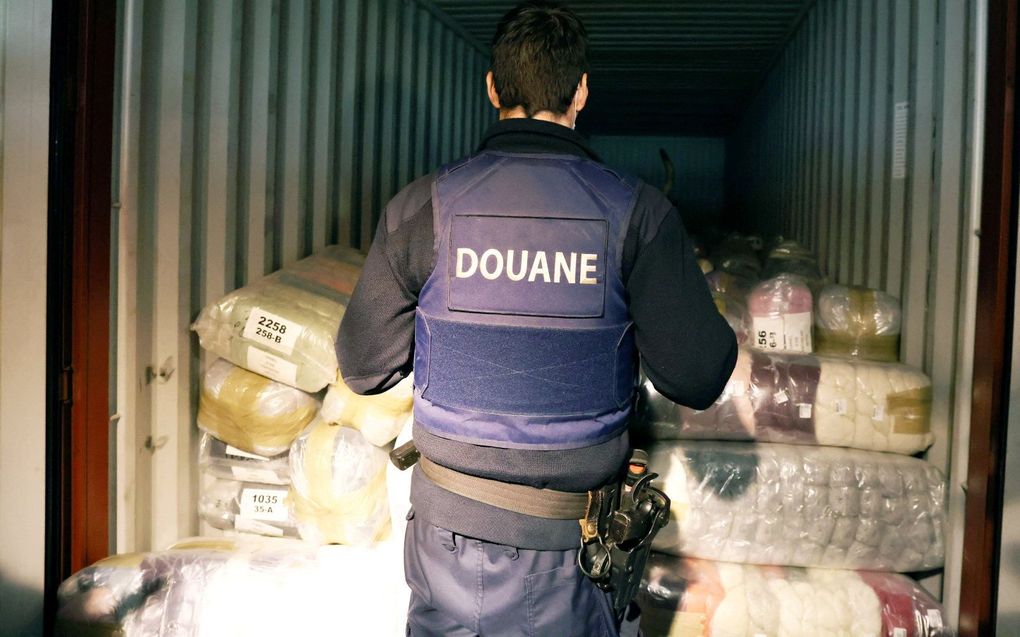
539, 64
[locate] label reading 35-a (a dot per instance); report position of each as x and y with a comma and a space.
264, 504
271, 330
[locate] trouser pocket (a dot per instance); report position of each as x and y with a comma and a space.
564, 602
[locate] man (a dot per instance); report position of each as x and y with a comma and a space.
520, 284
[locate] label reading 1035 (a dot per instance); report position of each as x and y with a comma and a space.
264, 504
271, 330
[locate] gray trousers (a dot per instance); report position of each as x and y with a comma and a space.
465, 587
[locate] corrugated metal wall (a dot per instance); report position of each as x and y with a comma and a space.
250, 134
863, 144
699, 165
24, 171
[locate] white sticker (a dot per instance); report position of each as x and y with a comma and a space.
797, 332
879, 413
247, 525
272, 366
239, 453
841, 407
934, 619
899, 632
264, 504
781, 397
271, 330
768, 332
805, 410
901, 116
787, 333
247, 474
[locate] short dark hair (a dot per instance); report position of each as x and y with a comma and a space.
539, 53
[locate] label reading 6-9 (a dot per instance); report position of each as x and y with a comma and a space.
264, 504
271, 330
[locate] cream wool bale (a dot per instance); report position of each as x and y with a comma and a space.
379, 417
867, 405
251, 412
338, 486
801, 506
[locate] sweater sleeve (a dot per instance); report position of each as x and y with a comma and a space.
687, 349
375, 345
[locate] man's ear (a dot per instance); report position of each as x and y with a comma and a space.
581, 94
490, 86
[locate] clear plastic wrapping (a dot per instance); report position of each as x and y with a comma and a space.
339, 485
251, 412
793, 505
789, 257
738, 254
244, 586
247, 507
220, 460
734, 311
284, 325
730, 285
804, 399
781, 314
858, 322
379, 417
682, 597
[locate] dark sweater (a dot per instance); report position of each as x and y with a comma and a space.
687, 349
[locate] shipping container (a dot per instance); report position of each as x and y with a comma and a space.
194, 146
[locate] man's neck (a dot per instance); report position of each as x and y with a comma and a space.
563, 119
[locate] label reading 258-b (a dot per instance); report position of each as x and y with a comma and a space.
264, 504
271, 330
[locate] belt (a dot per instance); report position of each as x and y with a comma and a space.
519, 498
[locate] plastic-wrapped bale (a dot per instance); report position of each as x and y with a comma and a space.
730, 285
781, 310
284, 325
804, 399
735, 312
247, 507
237, 586
789, 257
338, 481
218, 459
683, 597
738, 255
251, 412
858, 322
793, 505
380, 417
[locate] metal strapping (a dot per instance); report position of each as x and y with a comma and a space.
519, 498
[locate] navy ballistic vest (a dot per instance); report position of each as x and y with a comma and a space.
523, 338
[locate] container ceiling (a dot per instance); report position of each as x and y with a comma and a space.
667, 67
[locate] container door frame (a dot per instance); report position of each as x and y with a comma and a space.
994, 328
78, 290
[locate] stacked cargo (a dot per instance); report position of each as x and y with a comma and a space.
796, 507
287, 453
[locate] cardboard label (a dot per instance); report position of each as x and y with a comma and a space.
249, 474
271, 330
781, 397
239, 453
247, 525
786, 333
264, 504
804, 410
841, 407
272, 366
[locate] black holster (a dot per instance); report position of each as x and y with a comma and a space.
617, 531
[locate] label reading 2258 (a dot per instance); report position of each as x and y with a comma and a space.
271, 330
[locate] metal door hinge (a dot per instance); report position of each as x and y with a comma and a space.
64, 385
